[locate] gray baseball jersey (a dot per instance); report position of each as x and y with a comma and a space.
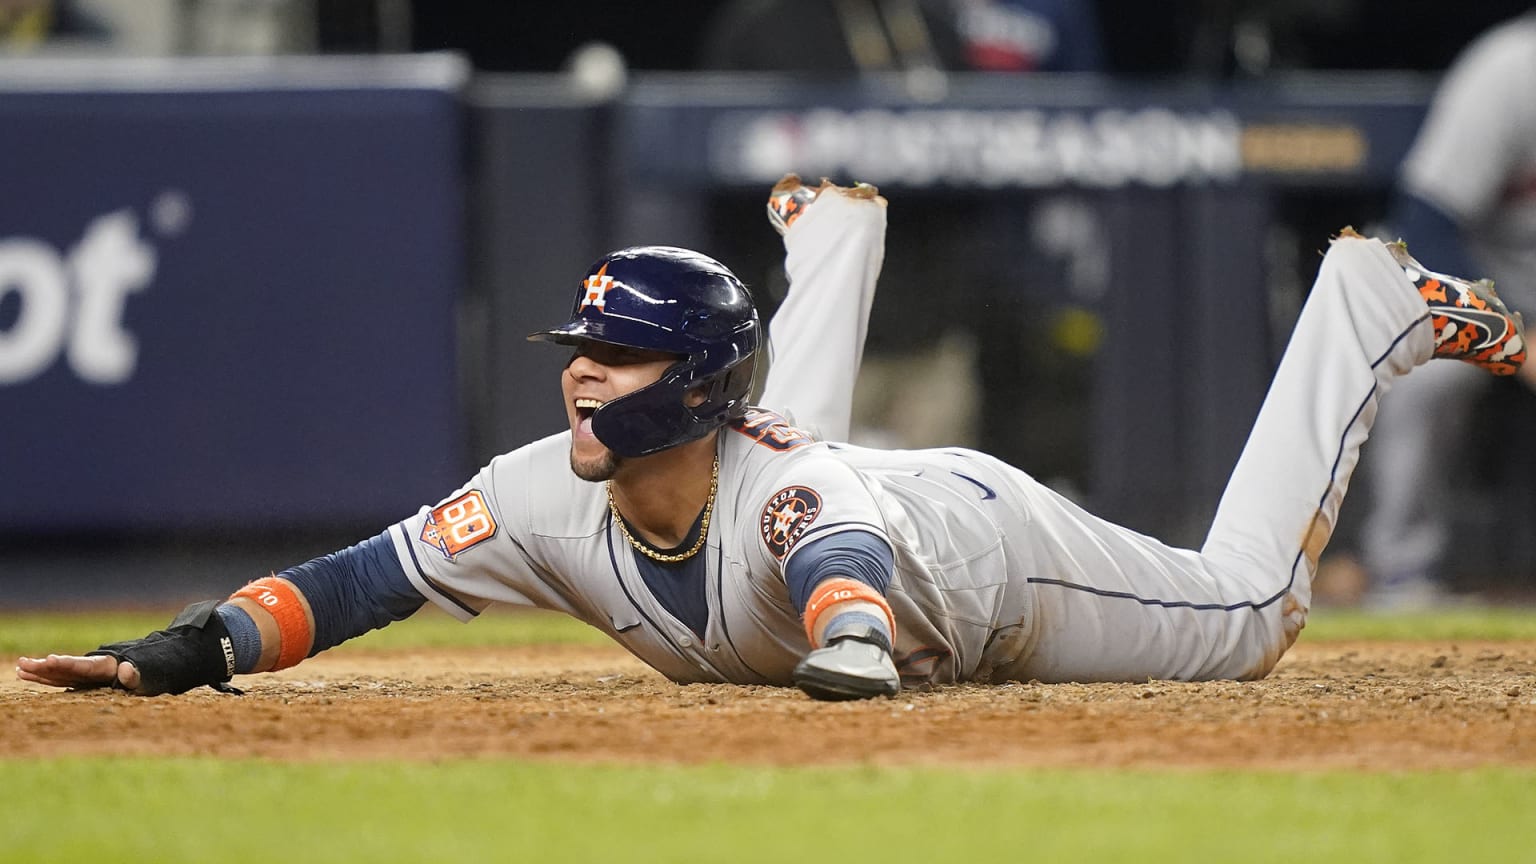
527, 531
995, 577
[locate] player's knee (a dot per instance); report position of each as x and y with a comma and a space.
1268, 637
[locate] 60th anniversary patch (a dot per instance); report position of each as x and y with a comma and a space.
455, 526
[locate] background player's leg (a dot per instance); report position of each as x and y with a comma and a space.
1404, 538
834, 250
1115, 605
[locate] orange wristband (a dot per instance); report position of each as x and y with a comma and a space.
842, 590
294, 633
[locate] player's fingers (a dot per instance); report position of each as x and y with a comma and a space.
128, 675
65, 670
26, 674
98, 668
39, 669
36, 678
37, 675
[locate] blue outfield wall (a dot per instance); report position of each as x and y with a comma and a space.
228, 294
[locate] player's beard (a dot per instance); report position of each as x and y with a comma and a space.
596, 469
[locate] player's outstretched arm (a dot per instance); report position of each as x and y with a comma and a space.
270, 624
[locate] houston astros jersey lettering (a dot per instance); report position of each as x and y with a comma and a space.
555, 547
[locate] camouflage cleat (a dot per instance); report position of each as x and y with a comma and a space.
1471, 322
790, 198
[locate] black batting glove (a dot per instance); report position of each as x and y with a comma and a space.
193, 651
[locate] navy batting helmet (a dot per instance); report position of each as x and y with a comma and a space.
662, 298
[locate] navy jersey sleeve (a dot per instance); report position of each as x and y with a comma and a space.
358, 589
861, 555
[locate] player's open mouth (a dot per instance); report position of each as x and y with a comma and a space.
584, 410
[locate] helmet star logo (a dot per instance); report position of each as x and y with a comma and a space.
597, 289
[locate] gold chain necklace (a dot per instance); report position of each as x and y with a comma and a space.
645, 549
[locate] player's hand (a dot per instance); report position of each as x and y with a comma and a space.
849, 668
67, 670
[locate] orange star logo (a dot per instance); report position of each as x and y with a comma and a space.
597, 289
786, 517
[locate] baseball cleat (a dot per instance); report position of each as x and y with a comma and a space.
1471, 322
790, 198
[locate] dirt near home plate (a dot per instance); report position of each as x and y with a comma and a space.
1330, 705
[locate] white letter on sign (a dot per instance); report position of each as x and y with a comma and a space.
32, 270
109, 264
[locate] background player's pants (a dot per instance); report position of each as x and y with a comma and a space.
833, 255
1114, 605
1406, 533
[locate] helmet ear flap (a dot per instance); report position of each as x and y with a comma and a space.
736, 385
723, 397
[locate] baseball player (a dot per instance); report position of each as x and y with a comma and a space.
722, 543
1469, 203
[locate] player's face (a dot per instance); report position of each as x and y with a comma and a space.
599, 373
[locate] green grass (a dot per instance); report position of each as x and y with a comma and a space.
109, 810
1468, 623
30, 634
